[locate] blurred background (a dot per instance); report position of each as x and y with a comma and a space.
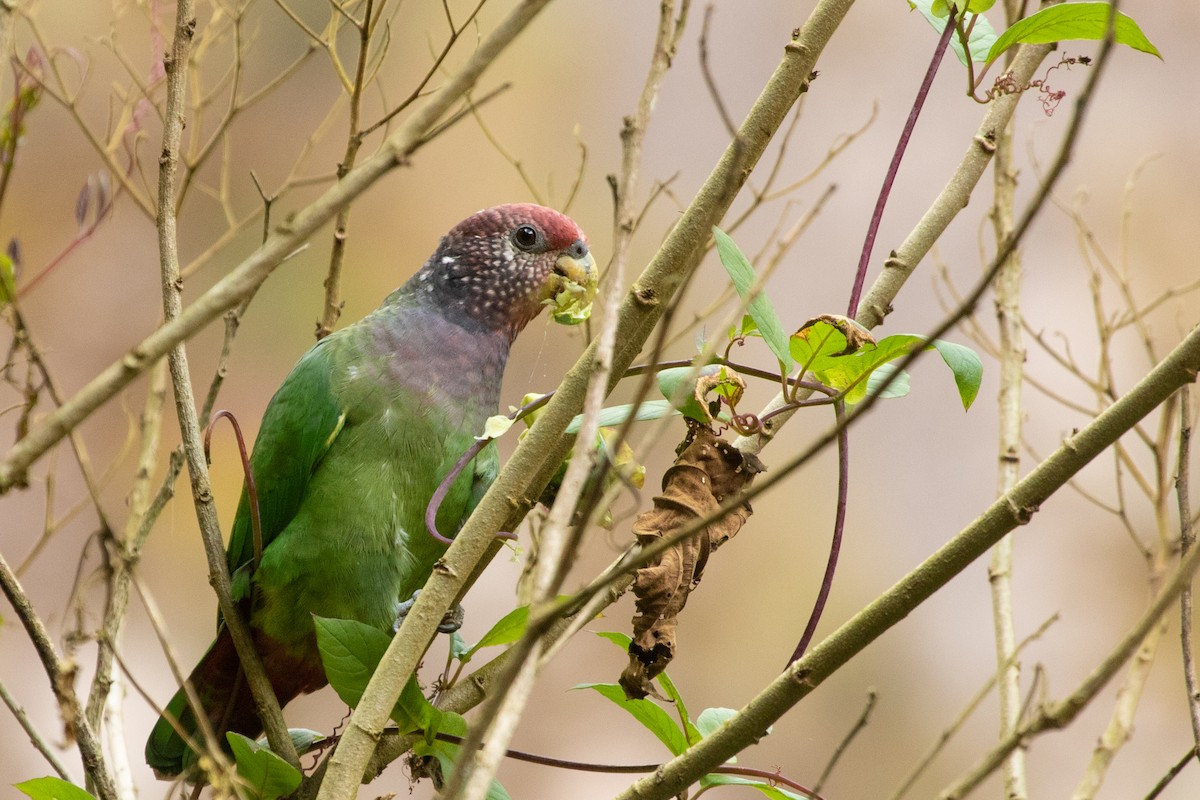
921, 468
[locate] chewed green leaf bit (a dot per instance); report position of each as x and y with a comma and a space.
573, 303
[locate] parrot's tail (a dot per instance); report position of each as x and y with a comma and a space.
225, 695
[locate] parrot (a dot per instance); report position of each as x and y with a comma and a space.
354, 444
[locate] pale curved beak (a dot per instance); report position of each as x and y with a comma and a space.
570, 296
578, 266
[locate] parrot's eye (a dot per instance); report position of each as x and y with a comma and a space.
527, 237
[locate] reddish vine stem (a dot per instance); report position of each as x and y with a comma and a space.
443, 488
772, 776
839, 525
843, 439
885, 191
251, 489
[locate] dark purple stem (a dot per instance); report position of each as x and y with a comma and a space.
773, 777
839, 524
443, 489
251, 489
860, 277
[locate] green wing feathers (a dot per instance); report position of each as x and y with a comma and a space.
300, 423
298, 427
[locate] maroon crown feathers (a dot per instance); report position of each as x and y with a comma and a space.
560, 230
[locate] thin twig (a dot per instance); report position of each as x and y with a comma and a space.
949, 732
35, 738
709, 80
332, 306
835, 546
124, 551
859, 725
1187, 540
1175, 769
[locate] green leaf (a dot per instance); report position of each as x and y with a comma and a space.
823, 348
616, 415
623, 641
303, 739
1072, 21
678, 385
651, 715
507, 630
52, 788
350, 651
983, 35
712, 718
692, 733
748, 328
413, 711
941, 8
819, 347
266, 775
459, 649
760, 308
878, 378
966, 366
770, 790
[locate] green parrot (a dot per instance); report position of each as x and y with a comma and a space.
356, 441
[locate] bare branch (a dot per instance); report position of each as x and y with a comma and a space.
1187, 540
35, 738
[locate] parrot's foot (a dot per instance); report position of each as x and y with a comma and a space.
449, 624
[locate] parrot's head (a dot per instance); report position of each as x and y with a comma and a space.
500, 266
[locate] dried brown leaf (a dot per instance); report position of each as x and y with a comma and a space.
707, 471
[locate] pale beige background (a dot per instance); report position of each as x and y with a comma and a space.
921, 468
